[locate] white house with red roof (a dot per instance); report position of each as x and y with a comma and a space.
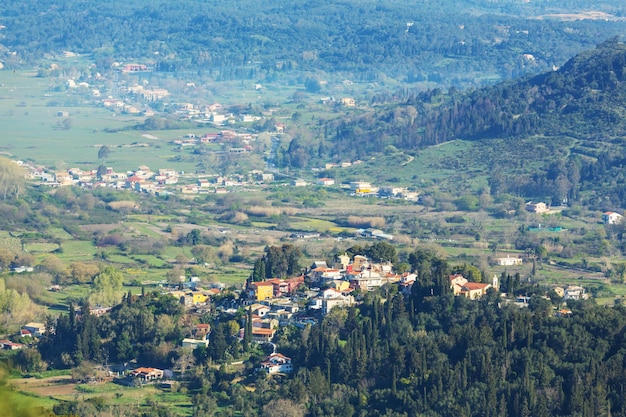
147, 374
331, 293
8, 345
611, 217
326, 182
322, 274
277, 363
133, 181
472, 290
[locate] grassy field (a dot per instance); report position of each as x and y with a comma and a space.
77, 250
16, 403
33, 129
45, 392
59, 301
317, 225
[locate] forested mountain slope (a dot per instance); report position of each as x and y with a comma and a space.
557, 133
451, 357
583, 98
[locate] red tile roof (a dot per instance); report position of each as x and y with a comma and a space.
263, 331
475, 286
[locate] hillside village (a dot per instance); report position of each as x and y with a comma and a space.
168, 181
274, 303
128, 90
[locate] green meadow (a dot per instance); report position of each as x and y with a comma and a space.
60, 131
16, 403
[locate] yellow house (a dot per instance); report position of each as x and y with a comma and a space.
360, 187
474, 290
199, 298
262, 290
339, 285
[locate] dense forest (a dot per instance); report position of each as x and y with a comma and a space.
439, 355
451, 43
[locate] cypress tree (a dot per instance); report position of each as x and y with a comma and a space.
247, 334
89, 334
78, 350
258, 273
218, 344
72, 317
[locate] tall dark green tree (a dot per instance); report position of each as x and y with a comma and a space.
281, 261
247, 335
218, 343
194, 237
104, 152
258, 271
382, 252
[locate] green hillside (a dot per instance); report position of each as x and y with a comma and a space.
557, 135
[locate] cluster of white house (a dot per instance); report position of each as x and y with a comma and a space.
143, 179
363, 188
266, 318
168, 180
608, 217
339, 281
360, 273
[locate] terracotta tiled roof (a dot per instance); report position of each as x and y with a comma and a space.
262, 331
475, 286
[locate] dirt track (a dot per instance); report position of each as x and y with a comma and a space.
53, 386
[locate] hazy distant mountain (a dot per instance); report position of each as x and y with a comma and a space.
471, 42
